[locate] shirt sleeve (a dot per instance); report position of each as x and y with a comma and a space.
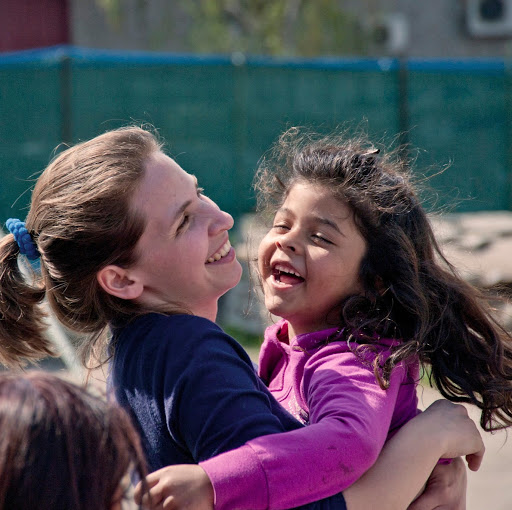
217, 402
349, 419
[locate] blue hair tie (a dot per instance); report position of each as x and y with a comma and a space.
23, 238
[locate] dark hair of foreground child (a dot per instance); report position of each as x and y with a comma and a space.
62, 448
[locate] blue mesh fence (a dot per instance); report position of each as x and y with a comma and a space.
219, 117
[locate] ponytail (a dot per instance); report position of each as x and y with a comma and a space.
22, 320
80, 220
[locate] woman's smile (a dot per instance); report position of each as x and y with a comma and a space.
226, 248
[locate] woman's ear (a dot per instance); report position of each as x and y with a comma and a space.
116, 281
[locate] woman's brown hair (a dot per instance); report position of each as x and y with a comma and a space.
61, 447
412, 293
80, 219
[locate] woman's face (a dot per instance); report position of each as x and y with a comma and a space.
184, 256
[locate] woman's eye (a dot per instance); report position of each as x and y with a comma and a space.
184, 223
280, 227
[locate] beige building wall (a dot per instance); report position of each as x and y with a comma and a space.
415, 28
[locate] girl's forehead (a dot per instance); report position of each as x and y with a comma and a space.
313, 199
321, 192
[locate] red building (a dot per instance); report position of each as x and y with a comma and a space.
28, 24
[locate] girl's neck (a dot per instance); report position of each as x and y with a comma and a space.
295, 329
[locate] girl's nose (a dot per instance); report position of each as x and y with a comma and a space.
286, 244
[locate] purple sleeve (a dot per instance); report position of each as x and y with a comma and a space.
350, 416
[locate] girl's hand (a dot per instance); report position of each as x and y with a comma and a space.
458, 434
445, 489
180, 487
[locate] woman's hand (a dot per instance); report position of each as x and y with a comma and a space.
180, 487
444, 430
445, 489
458, 434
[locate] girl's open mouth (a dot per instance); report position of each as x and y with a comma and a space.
286, 275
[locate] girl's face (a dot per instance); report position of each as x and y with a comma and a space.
184, 254
309, 261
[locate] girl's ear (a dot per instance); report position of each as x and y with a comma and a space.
379, 285
116, 281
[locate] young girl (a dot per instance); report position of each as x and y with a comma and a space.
128, 244
351, 253
62, 447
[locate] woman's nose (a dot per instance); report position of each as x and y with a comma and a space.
221, 221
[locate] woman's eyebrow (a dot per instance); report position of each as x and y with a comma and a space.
185, 204
180, 211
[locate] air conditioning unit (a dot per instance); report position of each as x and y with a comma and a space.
391, 32
489, 18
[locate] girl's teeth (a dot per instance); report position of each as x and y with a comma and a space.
286, 270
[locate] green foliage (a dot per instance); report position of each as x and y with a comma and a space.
247, 339
277, 27
113, 12
304, 28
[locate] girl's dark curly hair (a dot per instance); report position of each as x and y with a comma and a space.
412, 292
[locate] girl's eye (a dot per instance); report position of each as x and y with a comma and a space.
280, 227
321, 238
200, 191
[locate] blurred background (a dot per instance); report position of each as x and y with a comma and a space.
220, 79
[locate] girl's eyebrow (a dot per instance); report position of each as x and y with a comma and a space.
329, 223
316, 218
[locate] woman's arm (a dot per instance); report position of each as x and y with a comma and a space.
408, 459
445, 488
405, 464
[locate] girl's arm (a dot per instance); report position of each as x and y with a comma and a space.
208, 405
405, 463
350, 416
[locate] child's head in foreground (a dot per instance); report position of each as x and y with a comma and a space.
61, 447
352, 247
